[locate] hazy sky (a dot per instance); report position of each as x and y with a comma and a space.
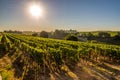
83, 15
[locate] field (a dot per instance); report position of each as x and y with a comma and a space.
33, 58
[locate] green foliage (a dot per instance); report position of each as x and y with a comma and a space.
5, 75
5, 43
34, 34
54, 53
71, 37
103, 34
117, 37
8, 67
44, 34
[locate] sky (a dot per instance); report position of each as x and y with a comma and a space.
81, 15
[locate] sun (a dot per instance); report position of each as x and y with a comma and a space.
35, 10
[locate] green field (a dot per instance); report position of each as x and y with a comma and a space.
33, 58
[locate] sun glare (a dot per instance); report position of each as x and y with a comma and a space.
36, 11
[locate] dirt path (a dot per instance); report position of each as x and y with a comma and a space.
82, 71
97, 71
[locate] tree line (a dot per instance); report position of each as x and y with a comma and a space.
74, 35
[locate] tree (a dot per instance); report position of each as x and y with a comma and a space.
44, 34
34, 34
90, 36
59, 34
117, 37
103, 34
71, 37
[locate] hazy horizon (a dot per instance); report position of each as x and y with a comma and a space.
80, 15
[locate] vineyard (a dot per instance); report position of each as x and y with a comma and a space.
35, 58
